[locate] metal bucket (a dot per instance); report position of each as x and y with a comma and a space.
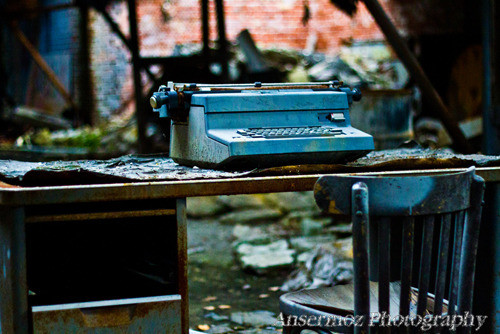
385, 114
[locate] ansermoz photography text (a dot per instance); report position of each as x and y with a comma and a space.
384, 319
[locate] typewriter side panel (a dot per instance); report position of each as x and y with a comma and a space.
190, 145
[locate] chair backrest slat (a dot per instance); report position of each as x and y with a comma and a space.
384, 268
459, 218
360, 255
469, 250
442, 263
406, 265
425, 264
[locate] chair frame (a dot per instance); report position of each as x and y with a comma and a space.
454, 199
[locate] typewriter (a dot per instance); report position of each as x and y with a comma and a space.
244, 126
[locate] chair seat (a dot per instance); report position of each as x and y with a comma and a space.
339, 299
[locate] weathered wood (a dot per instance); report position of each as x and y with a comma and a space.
442, 264
425, 264
469, 250
384, 267
407, 194
360, 256
407, 264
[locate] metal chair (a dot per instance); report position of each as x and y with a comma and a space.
433, 211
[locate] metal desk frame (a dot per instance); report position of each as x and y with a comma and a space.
14, 313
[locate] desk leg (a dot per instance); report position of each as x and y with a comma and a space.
13, 287
182, 262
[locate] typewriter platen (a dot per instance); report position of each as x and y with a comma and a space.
243, 126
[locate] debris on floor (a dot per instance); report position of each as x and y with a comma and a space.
262, 258
238, 291
200, 207
326, 265
250, 216
255, 318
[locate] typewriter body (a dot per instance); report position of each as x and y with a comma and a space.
260, 125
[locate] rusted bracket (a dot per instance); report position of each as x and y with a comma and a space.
42, 64
417, 73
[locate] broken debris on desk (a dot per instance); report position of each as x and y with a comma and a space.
128, 168
136, 168
392, 160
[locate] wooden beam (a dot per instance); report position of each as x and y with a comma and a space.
42, 64
85, 89
417, 73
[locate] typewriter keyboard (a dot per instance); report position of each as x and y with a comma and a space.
286, 132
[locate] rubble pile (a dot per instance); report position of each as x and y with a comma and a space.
281, 239
282, 230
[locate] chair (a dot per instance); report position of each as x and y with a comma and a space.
393, 217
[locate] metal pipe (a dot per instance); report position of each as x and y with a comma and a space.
417, 73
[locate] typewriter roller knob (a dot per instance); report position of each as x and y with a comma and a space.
160, 98
356, 94
156, 101
153, 102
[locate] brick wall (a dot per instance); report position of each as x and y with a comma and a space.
273, 23
110, 63
165, 23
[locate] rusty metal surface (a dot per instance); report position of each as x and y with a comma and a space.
140, 315
98, 215
191, 188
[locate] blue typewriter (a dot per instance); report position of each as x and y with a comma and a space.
244, 126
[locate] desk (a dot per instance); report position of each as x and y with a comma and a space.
14, 202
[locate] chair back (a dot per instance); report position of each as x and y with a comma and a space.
425, 228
